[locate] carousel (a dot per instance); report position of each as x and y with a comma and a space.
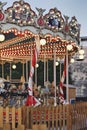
26, 35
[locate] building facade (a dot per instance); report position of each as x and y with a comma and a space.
78, 71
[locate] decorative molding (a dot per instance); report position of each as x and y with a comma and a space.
21, 16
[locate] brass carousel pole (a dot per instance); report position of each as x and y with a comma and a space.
23, 68
60, 69
26, 71
55, 75
2, 69
36, 75
44, 67
47, 71
10, 71
45, 101
68, 48
67, 79
67, 76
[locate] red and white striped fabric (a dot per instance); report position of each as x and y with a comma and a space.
31, 100
61, 95
30, 82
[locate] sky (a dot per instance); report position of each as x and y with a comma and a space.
77, 8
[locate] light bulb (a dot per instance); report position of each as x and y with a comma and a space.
37, 65
57, 63
13, 66
69, 47
81, 56
72, 60
2, 37
42, 42
81, 51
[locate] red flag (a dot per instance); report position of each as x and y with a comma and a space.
30, 82
31, 100
61, 95
34, 59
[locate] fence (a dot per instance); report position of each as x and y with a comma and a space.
10, 116
62, 117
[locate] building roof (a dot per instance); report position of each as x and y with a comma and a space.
20, 24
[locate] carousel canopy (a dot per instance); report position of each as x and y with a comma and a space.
20, 26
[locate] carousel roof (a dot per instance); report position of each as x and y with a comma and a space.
20, 25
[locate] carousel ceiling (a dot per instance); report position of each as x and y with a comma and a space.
20, 25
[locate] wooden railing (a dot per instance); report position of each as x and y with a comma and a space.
62, 117
11, 116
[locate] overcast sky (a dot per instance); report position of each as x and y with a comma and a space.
77, 8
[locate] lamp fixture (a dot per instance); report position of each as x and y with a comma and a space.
2, 36
81, 56
81, 51
14, 66
69, 47
72, 60
57, 63
37, 65
42, 41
